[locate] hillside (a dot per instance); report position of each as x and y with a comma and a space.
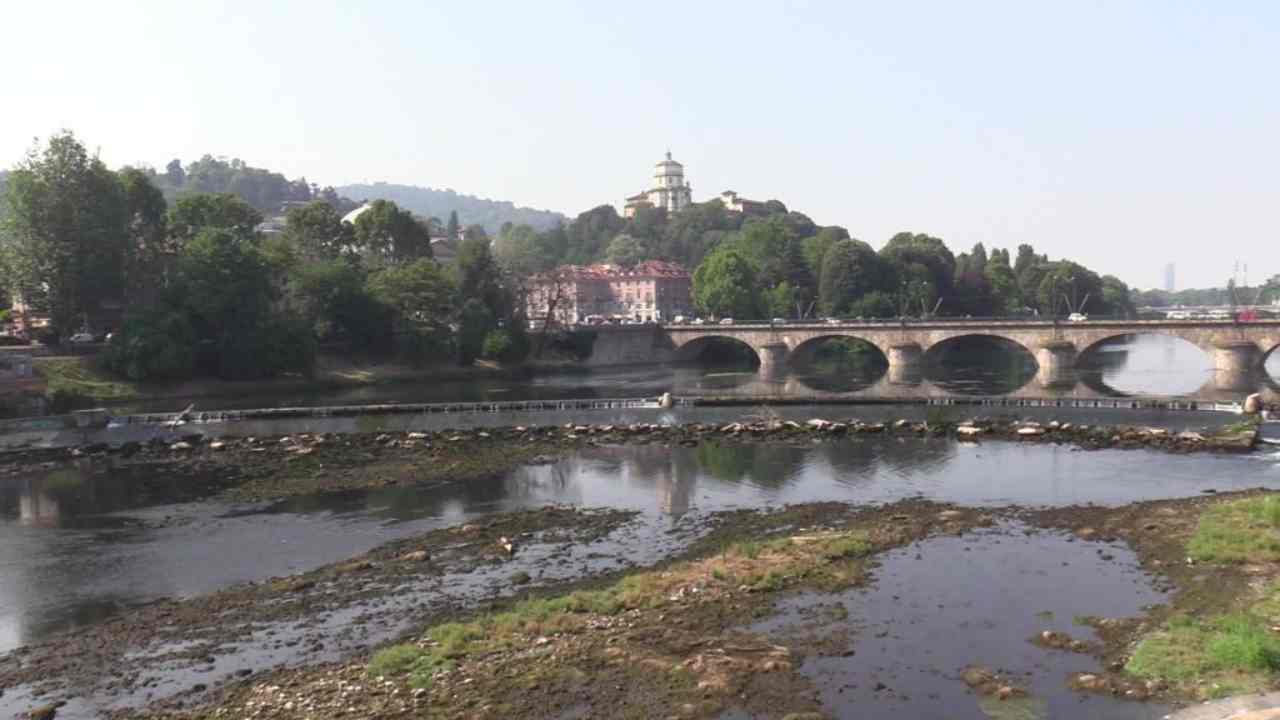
438, 203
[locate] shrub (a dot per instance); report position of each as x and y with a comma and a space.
159, 344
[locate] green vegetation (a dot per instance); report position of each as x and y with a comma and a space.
1235, 653
762, 565
1238, 531
71, 378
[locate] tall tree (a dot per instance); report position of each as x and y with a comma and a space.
149, 248
392, 234
451, 230
67, 230
850, 269
194, 212
724, 285
318, 231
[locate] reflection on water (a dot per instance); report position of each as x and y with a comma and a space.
1149, 365
77, 546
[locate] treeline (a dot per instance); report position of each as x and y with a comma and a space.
262, 189
471, 210
205, 293
1264, 294
779, 263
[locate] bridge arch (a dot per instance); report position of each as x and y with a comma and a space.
980, 363
801, 351
694, 350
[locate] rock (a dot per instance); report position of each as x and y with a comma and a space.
520, 577
1191, 436
353, 567
950, 514
665, 401
900, 424
506, 545
419, 435
1086, 533
44, 712
976, 675
818, 423
415, 556
1253, 404
1030, 431
178, 446
217, 445
969, 430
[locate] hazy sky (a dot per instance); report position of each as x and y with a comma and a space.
1125, 134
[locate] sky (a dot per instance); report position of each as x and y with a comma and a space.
1124, 135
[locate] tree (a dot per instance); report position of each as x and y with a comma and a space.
420, 294
1117, 298
724, 285
519, 251
148, 237
591, 232
392, 234
1006, 298
225, 286
451, 230
626, 251
906, 250
337, 301
474, 323
67, 230
318, 231
1068, 287
174, 173
850, 269
478, 277
195, 212
816, 247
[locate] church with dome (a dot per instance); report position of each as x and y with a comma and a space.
669, 191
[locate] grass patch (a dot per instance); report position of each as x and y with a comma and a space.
82, 377
769, 566
1238, 531
1213, 658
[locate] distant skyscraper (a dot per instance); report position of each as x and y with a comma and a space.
1169, 277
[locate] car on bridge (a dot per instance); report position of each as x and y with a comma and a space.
726, 321
1077, 317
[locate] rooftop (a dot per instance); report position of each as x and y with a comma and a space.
605, 271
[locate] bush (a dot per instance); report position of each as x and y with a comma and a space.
156, 345
505, 346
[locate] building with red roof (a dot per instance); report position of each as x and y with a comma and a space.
651, 291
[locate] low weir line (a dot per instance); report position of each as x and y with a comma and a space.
100, 417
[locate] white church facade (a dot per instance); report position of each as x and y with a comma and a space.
670, 191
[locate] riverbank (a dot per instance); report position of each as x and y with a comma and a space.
83, 381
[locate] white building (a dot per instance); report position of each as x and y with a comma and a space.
670, 190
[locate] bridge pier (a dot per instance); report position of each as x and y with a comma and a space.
905, 366
1235, 358
1057, 361
773, 359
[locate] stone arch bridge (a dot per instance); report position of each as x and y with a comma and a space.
1236, 347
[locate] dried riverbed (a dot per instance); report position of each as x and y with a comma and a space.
621, 612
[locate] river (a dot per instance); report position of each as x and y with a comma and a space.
81, 543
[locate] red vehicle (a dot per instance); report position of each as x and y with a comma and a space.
1247, 316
